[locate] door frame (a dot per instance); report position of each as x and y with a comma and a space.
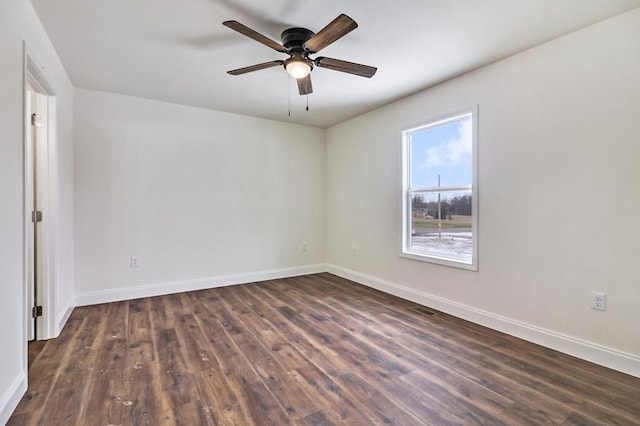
34, 75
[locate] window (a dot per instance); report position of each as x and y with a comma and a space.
440, 191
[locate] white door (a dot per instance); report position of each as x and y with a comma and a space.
35, 190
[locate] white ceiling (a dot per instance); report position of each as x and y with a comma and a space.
179, 51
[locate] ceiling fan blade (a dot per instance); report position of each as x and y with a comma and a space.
337, 28
344, 66
304, 85
256, 67
246, 31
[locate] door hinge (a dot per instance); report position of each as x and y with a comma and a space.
36, 120
36, 311
36, 216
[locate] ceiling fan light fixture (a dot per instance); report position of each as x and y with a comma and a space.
297, 68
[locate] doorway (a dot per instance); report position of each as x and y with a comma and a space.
39, 143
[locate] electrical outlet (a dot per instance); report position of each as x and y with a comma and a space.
354, 251
303, 247
135, 261
599, 301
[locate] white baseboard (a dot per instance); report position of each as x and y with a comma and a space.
598, 354
149, 290
12, 396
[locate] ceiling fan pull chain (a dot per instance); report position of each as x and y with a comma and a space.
307, 102
289, 92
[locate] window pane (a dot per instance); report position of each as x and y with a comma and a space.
441, 224
445, 151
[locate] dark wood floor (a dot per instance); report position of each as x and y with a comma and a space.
311, 350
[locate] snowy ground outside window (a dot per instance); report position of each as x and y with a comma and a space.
458, 244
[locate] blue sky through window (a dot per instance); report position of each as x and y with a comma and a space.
444, 150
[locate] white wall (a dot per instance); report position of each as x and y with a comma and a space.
19, 22
204, 198
559, 148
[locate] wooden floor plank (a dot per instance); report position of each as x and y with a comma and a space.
310, 350
453, 363
219, 399
79, 368
461, 354
385, 411
324, 359
48, 365
336, 406
106, 382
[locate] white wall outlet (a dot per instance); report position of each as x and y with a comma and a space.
303, 246
598, 301
135, 261
354, 251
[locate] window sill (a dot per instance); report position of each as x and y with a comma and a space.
471, 266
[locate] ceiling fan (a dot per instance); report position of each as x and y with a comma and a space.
299, 43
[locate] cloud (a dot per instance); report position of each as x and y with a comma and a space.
452, 151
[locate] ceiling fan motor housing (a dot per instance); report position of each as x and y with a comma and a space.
294, 38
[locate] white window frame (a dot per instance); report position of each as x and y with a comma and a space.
407, 191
